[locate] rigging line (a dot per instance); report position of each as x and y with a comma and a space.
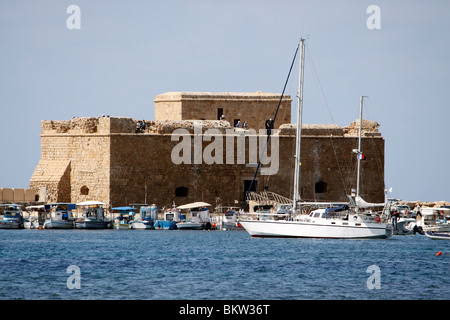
367, 108
320, 85
283, 113
332, 119
270, 130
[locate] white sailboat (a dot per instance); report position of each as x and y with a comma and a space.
323, 222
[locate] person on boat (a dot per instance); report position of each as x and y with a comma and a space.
418, 213
395, 216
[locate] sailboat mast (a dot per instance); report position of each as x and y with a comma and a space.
361, 99
299, 127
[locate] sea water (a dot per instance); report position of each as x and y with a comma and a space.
231, 265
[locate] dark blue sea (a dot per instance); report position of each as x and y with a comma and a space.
217, 265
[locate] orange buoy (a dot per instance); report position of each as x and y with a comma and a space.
439, 253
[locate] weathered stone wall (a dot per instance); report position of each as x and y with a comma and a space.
142, 169
255, 108
74, 155
105, 159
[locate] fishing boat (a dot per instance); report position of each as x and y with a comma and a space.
228, 220
434, 219
93, 216
171, 217
402, 218
126, 215
147, 215
36, 217
352, 222
435, 235
200, 218
12, 216
60, 215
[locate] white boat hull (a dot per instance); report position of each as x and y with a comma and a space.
140, 225
299, 229
438, 235
10, 225
91, 224
189, 226
51, 224
121, 226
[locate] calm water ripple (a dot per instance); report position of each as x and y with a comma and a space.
153, 264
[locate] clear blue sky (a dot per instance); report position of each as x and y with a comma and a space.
127, 52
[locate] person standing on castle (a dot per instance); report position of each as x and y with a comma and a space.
269, 124
238, 124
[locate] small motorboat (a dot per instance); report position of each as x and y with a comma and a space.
126, 215
93, 216
60, 215
12, 217
438, 235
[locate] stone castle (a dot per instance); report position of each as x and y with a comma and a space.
110, 160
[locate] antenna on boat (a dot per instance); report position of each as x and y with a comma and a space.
296, 196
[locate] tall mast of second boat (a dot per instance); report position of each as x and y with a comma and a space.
297, 166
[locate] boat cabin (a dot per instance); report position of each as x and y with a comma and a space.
12, 213
148, 213
433, 216
60, 211
125, 213
12, 210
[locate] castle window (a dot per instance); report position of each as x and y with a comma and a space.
219, 113
320, 187
84, 191
181, 192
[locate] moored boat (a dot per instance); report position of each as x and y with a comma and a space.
171, 217
357, 221
60, 215
36, 217
147, 216
126, 215
438, 235
228, 220
320, 223
93, 216
200, 218
12, 216
433, 219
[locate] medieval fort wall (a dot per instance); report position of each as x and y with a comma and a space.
254, 108
105, 159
